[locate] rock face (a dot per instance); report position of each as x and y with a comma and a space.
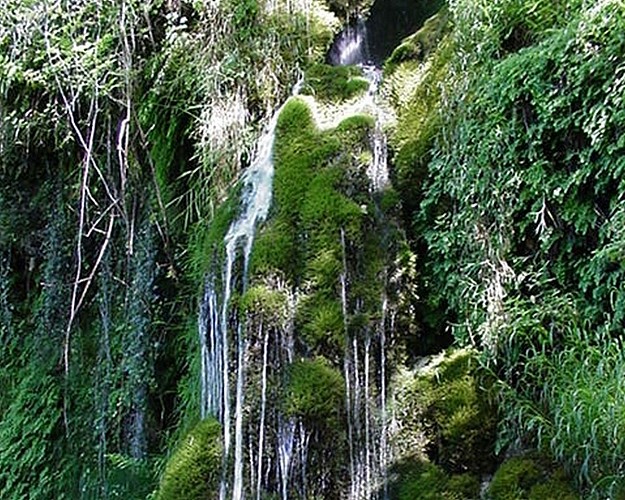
293, 339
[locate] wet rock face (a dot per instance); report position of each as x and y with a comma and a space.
391, 21
388, 22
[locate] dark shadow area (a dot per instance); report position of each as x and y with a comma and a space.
390, 21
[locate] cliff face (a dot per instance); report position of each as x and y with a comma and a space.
123, 126
189, 255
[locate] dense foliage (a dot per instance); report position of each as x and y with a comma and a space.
512, 185
122, 124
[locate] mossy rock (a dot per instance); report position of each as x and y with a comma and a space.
419, 45
413, 479
334, 83
194, 469
354, 132
531, 477
263, 301
446, 408
315, 393
514, 479
554, 489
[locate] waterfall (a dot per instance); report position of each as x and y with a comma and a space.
350, 47
263, 407
217, 336
365, 374
265, 450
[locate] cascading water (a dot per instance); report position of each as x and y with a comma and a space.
219, 332
351, 46
365, 355
264, 449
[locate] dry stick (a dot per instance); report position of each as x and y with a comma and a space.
103, 248
75, 305
87, 146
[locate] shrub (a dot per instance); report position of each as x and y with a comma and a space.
194, 469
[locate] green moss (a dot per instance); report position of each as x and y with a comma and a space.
554, 489
194, 469
206, 240
321, 195
276, 247
419, 122
418, 479
326, 211
322, 324
531, 477
334, 83
422, 43
315, 393
295, 120
462, 487
514, 479
354, 134
264, 301
445, 408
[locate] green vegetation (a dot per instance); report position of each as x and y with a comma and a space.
125, 124
194, 469
508, 161
445, 414
527, 478
315, 392
334, 83
419, 45
122, 126
427, 481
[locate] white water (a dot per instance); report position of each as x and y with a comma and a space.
350, 47
216, 334
365, 375
263, 408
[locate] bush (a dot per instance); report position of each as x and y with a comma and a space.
194, 469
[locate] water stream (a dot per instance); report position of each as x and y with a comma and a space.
219, 332
365, 356
277, 446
